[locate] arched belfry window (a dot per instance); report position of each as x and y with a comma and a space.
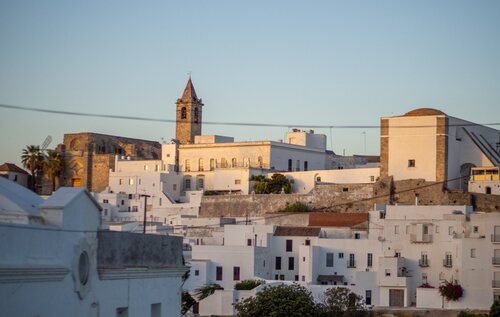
196, 115
183, 113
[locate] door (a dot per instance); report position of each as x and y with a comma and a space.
396, 297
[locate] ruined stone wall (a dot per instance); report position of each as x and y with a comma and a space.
88, 157
347, 198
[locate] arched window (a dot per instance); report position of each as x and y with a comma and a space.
289, 165
233, 162
196, 115
200, 165
183, 113
261, 161
212, 164
223, 163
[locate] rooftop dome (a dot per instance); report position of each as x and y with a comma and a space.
424, 112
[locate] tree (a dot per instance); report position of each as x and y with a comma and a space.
283, 300
495, 309
53, 166
248, 284
187, 302
206, 290
32, 159
340, 301
275, 185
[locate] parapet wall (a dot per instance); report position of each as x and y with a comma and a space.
347, 198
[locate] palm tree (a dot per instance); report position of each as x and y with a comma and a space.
53, 166
206, 290
32, 159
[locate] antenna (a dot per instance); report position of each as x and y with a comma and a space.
46, 143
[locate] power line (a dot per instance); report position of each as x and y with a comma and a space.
324, 209
229, 123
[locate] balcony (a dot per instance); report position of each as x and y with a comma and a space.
425, 238
495, 238
447, 263
495, 261
423, 263
495, 283
351, 264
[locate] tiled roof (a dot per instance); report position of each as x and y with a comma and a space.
331, 219
9, 167
296, 231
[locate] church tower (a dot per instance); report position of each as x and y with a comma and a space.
188, 118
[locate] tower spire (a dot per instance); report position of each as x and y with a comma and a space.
189, 94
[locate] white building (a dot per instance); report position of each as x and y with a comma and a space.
426, 143
55, 262
384, 256
14, 173
485, 180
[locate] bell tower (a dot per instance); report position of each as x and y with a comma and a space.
188, 115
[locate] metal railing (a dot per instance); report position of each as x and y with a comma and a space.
495, 283
351, 264
426, 238
495, 238
447, 263
495, 261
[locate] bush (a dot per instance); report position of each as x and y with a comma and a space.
296, 207
279, 301
247, 285
341, 301
495, 309
451, 291
274, 185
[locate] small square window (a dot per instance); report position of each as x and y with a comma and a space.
196, 272
473, 253
341, 255
237, 181
476, 229
411, 163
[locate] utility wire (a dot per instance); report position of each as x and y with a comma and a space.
229, 123
324, 209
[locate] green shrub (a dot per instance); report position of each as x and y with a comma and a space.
247, 285
296, 207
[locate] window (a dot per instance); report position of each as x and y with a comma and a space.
187, 183
368, 297
303, 259
234, 163
352, 263
135, 209
278, 263
156, 168
156, 310
411, 163
450, 230
282, 277
146, 167
183, 113
396, 229
296, 278
276, 277
341, 255
200, 165
201, 183
329, 259
290, 165
249, 242
123, 202
236, 273
129, 196
488, 190
159, 201
15, 178
369, 260
476, 229
308, 242
303, 278
212, 164
291, 263
397, 253
174, 187
473, 253
105, 201
345, 189
260, 161
437, 229
223, 162
372, 178
357, 235
297, 166
196, 272
387, 272
237, 182
131, 181
187, 166
218, 273
289, 245
306, 165
196, 115
318, 179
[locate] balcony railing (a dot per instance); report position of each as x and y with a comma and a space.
495, 261
423, 262
426, 238
447, 263
495, 238
495, 283
351, 264
242, 165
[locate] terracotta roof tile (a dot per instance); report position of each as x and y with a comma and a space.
9, 167
331, 219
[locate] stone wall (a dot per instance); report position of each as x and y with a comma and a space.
88, 157
347, 198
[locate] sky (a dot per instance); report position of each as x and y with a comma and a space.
284, 62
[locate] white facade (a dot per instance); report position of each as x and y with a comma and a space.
51, 267
403, 248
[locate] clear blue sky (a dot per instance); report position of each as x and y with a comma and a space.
290, 62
